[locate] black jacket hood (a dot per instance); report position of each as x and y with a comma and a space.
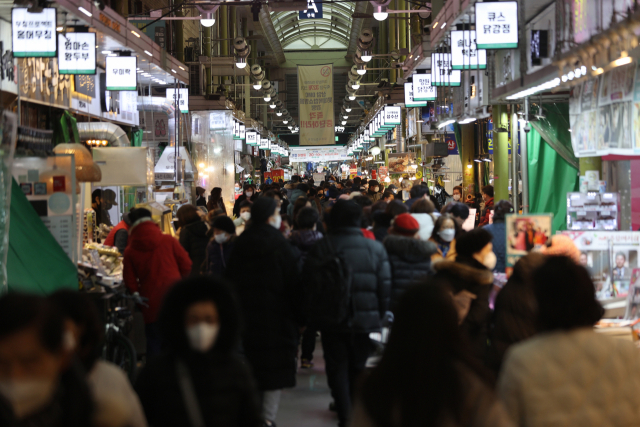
409, 249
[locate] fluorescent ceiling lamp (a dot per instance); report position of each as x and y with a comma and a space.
181, 67
348, 110
622, 61
435, 25
148, 53
85, 11
135, 34
59, 28
446, 123
443, 25
173, 70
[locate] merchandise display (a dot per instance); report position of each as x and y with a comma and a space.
593, 211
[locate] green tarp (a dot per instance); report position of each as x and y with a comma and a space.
36, 263
551, 177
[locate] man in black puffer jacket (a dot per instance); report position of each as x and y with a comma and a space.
410, 258
347, 346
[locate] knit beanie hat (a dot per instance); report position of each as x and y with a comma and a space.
406, 225
262, 209
225, 224
562, 246
472, 242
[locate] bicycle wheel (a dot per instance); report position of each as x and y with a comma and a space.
122, 353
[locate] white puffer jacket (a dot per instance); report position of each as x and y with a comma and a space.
574, 378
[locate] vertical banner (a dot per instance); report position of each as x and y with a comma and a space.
315, 100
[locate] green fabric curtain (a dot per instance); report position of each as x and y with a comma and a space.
550, 179
36, 263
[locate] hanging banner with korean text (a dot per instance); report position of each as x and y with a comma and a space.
441, 72
184, 99
33, 34
422, 89
497, 25
409, 102
315, 100
121, 72
77, 53
465, 54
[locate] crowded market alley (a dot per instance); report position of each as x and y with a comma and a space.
316, 213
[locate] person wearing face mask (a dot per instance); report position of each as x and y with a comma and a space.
444, 237
40, 382
199, 379
248, 195
471, 274
268, 295
215, 201
374, 193
487, 198
457, 193
499, 232
116, 403
244, 217
221, 245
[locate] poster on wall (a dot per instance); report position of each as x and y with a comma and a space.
526, 233
315, 103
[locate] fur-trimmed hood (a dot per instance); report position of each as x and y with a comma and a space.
409, 249
464, 272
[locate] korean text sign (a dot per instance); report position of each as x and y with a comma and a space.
408, 97
184, 98
497, 25
34, 34
442, 73
315, 102
77, 53
422, 89
465, 54
313, 10
121, 72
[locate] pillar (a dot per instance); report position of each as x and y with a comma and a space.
382, 44
393, 42
500, 153
467, 154
247, 80
514, 160
206, 41
179, 33
402, 27
224, 34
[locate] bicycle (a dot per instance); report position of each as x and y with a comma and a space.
118, 349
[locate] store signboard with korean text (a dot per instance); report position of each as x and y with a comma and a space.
34, 34
392, 115
497, 25
121, 72
184, 98
409, 102
252, 138
313, 10
442, 74
422, 88
77, 53
465, 54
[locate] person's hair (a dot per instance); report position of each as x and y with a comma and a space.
345, 213
395, 208
363, 201
488, 190
181, 296
357, 180
200, 191
435, 202
379, 206
262, 209
295, 178
307, 218
187, 214
303, 187
348, 183
622, 255
423, 206
286, 218
426, 335
388, 193
438, 226
502, 208
312, 192
300, 203
96, 193
262, 187
273, 194
249, 187
565, 296
244, 204
419, 191
19, 312
214, 199
139, 213
80, 309
457, 187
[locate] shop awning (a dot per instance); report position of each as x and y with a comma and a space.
36, 263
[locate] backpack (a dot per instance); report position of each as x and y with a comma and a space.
327, 288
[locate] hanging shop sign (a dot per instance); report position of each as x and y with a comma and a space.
319, 155
236, 130
441, 72
313, 10
33, 34
465, 54
252, 138
183, 93
77, 53
121, 72
392, 115
242, 131
422, 89
315, 99
264, 144
409, 102
497, 25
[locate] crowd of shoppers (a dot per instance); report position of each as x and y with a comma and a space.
236, 303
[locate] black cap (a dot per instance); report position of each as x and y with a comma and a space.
472, 242
225, 224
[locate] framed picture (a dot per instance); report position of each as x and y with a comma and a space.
526, 233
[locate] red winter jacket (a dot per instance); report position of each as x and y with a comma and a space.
111, 238
486, 213
153, 262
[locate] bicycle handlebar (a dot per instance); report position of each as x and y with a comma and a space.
136, 298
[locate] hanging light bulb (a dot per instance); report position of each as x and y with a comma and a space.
381, 14
348, 110
352, 97
267, 98
278, 113
208, 20
272, 106
285, 121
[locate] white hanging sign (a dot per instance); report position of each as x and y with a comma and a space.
121, 72
33, 34
441, 72
264, 144
242, 131
497, 25
465, 54
77, 53
392, 115
422, 88
409, 102
252, 138
184, 98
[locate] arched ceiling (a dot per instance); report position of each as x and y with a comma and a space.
332, 31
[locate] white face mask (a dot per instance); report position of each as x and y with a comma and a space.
28, 396
376, 189
276, 222
221, 238
246, 216
456, 197
238, 190
447, 234
490, 261
202, 336
249, 193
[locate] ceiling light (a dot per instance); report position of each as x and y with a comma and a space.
622, 61
564, 78
208, 20
173, 70
443, 25
362, 72
285, 121
241, 62
181, 67
267, 98
345, 117
375, 150
356, 86
446, 123
60, 29
135, 34
290, 127
366, 56
278, 113
272, 106
469, 166
148, 53
598, 71
85, 11
571, 75
435, 25
140, 71
344, 122
352, 97
257, 86
348, 110
583, 70
380, 15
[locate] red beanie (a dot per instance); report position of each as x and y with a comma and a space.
406, 225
